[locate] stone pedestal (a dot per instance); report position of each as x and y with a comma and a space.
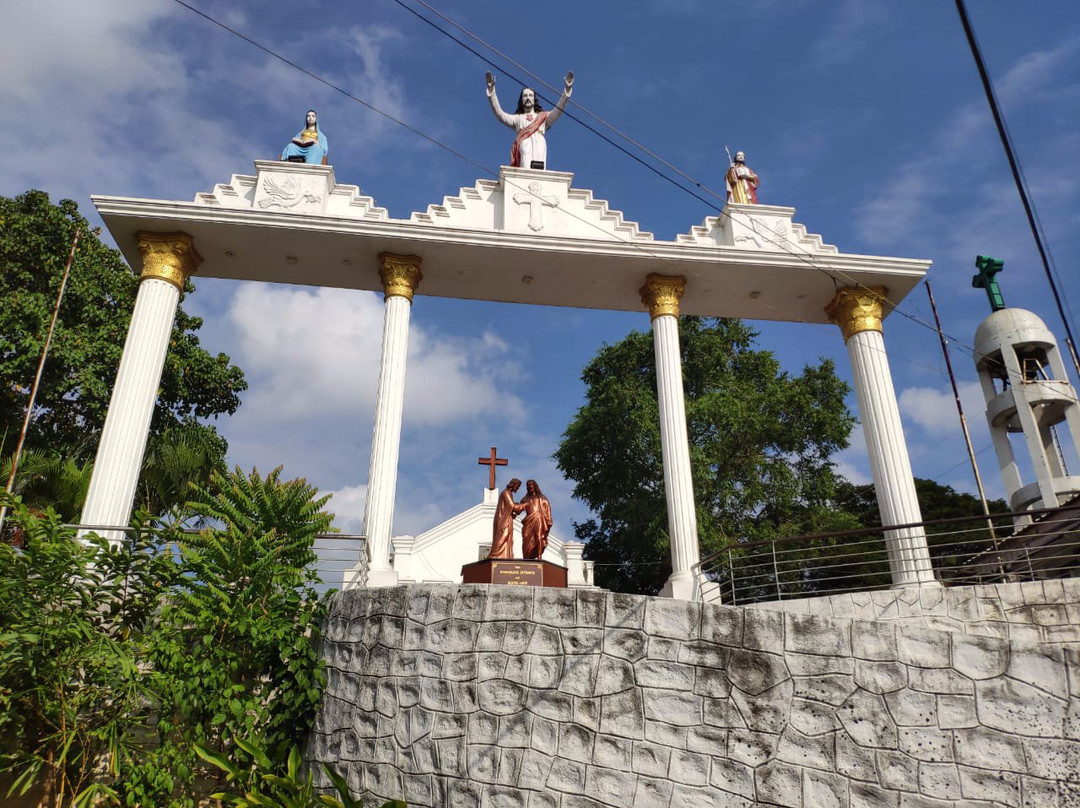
514, 572
293, 187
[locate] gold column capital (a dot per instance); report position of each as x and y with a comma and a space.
170, 257
661, 294
400, 274
857, 309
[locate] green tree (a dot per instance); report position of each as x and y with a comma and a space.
73, 699
760, 442
35, 240
234, 649
951, 545
46, 480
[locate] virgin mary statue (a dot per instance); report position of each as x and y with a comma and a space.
309, 145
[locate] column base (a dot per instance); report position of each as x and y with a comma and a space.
382, 576
680, 586
929, 583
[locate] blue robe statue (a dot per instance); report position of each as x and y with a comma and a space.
309, 146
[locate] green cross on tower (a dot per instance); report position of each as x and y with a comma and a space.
989, 267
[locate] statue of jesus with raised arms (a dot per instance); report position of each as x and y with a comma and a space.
529, 149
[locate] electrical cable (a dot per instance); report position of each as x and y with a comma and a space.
569, 115
1017, 173
783, 246
588, 112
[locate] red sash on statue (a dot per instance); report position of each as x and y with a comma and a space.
527, 132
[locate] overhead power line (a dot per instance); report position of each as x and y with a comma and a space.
833, 274
1018, 177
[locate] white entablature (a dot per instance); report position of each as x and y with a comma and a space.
500, 241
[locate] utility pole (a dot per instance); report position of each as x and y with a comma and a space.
37, 380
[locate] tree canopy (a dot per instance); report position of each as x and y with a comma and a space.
35, 240
760, 443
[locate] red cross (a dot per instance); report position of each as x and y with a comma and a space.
492, 462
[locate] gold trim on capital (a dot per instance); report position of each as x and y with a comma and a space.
400, 274
661, 294
170, 257
857, 309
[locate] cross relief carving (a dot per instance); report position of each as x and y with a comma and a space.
536, 202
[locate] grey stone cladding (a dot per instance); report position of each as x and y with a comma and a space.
521, 697
1046, 612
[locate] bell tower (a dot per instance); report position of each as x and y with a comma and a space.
1027, 391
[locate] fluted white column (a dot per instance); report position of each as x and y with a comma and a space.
168, 258
661, 294
400, 276
858, 312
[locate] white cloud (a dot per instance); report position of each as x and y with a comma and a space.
144, 99
934, 409
853, 463
316, 353
347, 505
942, 195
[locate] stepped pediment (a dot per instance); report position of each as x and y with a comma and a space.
769, 228
295, 188
532, 202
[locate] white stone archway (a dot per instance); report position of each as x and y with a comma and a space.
528, 237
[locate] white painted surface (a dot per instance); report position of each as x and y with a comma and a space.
386, 441
1037, 401
675, 447
123, 438
909, 558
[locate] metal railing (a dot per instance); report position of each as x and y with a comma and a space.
963, 551
340, 558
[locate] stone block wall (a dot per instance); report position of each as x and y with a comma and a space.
1046, 612
517, 697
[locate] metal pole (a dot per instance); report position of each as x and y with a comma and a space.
963, 422
731, 569
776, 572
37, 379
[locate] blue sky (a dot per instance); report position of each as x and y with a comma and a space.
867, 117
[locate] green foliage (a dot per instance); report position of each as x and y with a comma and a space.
760, 446
35, 241
176, 460
235, 647
263, 783
72, 697
951, 545
46, 480
127, 655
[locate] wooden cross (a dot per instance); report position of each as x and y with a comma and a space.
492, 462
989, 267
